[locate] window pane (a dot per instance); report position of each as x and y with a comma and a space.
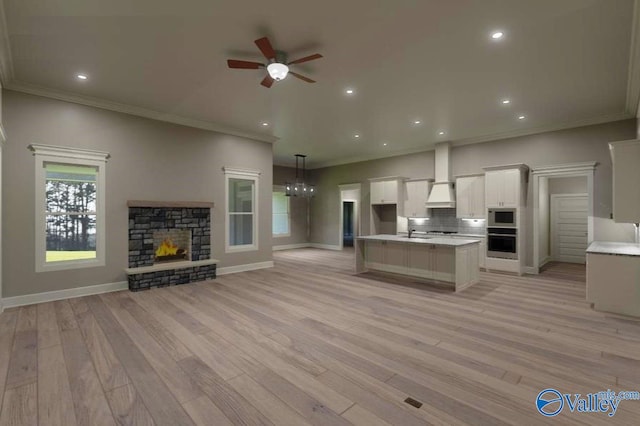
71, 237
240, 229
280, 224
240, 195
280, 203
70, 196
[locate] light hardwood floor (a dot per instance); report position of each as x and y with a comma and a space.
307, 342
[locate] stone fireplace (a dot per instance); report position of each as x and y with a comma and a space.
169, 243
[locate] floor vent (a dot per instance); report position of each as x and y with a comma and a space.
413, 402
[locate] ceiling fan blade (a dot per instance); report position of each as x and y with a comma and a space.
301, 77
267, 81
233, 63
265, 47
306, 59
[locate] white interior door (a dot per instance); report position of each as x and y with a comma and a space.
569, 227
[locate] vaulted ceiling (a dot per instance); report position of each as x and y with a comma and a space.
560, 63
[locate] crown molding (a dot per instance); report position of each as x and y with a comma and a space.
468, 141
633, 82
609, 118
133, 110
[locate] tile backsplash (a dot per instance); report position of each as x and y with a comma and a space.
446, 220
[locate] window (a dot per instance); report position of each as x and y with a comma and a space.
70, 231
280, 213
242, 210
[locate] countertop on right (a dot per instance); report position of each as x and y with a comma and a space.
614, 249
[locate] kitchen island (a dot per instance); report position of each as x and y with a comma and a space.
442, 259
613, 277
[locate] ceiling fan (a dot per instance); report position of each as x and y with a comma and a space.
277, 68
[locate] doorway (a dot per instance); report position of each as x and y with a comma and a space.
348, 224
561, 179
568, 236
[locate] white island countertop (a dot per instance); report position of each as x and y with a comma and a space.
438, 241
614, 249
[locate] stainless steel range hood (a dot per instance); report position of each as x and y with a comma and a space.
441, 195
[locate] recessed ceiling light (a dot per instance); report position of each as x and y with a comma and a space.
385, 144
349, 91
497, 35
441, 133
265, 124
82, 77
506, 102
417, 122
521, 117
356, 136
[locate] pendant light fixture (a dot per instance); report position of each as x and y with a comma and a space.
300, 188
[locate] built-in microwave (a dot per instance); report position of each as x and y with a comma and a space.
502, 217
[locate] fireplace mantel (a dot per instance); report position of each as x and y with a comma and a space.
170, 204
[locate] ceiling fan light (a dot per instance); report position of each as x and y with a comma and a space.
277, 71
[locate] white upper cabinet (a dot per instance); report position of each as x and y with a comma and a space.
470, 197
385, 190
625, 156
504, 186
416, 193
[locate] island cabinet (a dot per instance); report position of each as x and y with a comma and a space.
386, 256
431, 262
470, 196
446, 260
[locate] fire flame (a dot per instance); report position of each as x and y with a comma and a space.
167, 248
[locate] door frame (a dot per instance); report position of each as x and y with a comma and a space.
3, 139
552, 202
561, 170
349, 192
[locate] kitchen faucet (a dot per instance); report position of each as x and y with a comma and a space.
411, 231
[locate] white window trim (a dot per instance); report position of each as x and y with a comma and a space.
281, 188
66, 155
246, 174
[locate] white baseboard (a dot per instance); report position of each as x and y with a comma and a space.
243, 268
291, 246
325, 246
531, 270
50, 296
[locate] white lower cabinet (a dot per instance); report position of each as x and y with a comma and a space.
457, 265
482, 249
431, 262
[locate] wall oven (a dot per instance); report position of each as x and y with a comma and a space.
502, 243
502, 217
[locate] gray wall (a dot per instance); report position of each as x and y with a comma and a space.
566, 146
150, 160
568, 185
297, 209
325, 207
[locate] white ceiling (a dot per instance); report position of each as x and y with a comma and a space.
561, 63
